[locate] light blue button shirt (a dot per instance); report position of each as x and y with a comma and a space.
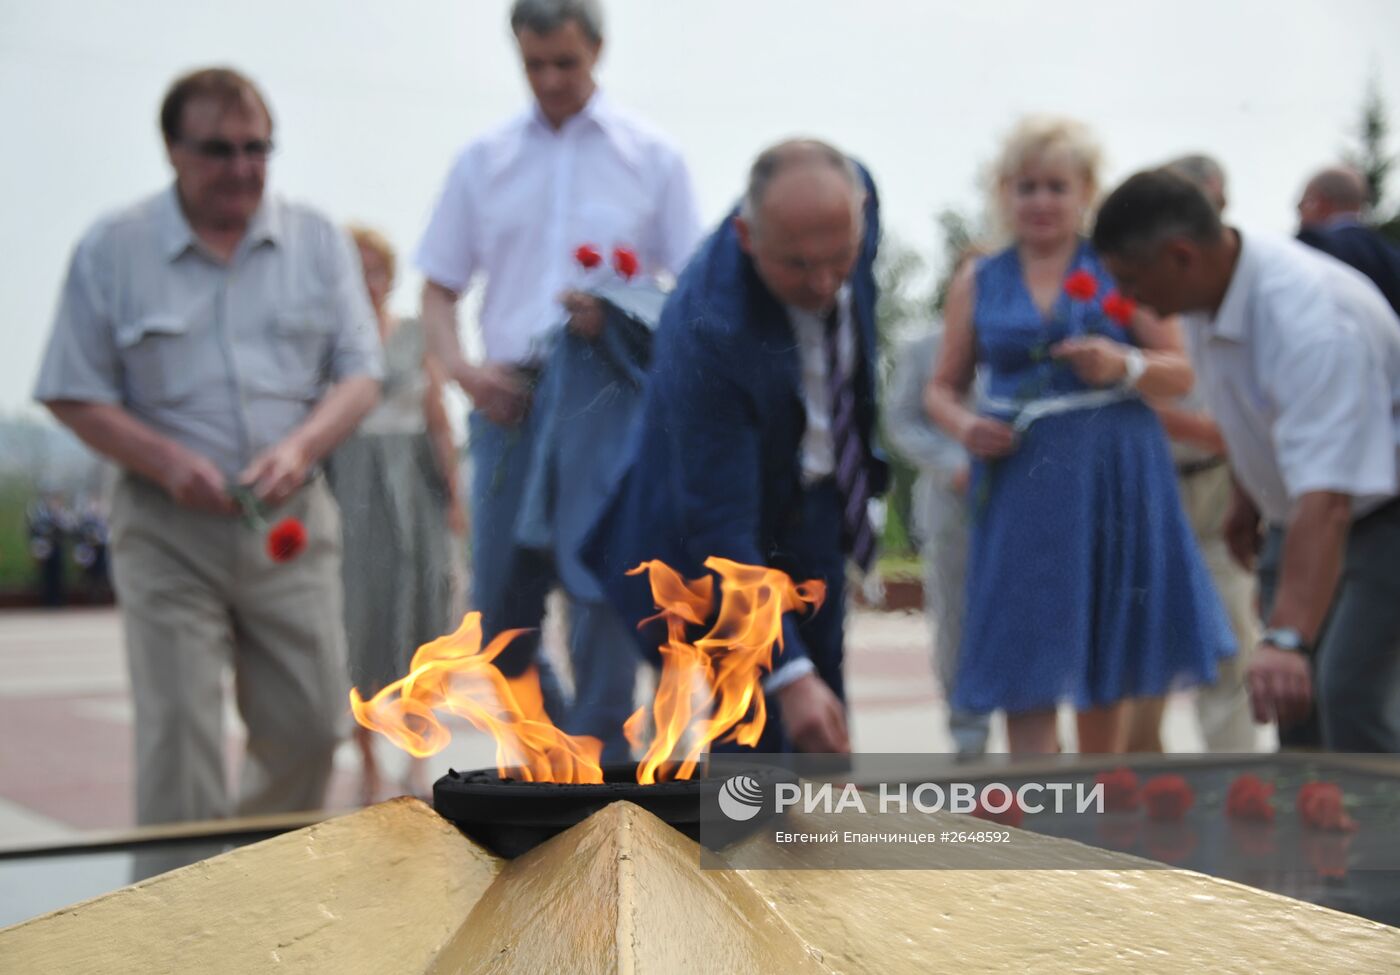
225, 359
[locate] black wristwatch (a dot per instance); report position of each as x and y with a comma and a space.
1285, 638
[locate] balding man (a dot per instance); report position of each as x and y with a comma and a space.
756, 439
1329, 218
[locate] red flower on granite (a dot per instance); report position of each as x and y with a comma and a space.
625, 262
1167, 798
589, 256
1320, 806
1120, 790
1012, 815
1081, 285
1119, 308
286, 540
1249, 798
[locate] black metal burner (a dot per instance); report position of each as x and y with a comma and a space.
510, 817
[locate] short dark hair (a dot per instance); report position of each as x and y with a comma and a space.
1150, 207
224, 85
547, 16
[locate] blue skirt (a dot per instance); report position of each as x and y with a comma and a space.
1085, 583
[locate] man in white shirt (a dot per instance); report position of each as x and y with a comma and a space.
1299, 357
571, 171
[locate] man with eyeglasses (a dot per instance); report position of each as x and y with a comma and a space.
217, 343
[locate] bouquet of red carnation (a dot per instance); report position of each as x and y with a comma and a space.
1120, 790
285, 540
1250, 798
1167, 798
625, 261
1321, 806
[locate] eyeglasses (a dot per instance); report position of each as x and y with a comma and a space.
225, 151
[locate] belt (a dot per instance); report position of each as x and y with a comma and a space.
1023, 413
1191, 468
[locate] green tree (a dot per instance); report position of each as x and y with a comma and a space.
1371, 155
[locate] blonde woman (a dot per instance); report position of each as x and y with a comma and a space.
1084, 583
396, 482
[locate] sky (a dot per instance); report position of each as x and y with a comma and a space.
373, 100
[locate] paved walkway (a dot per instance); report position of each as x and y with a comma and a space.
65, 718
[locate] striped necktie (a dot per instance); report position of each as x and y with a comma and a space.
852, 477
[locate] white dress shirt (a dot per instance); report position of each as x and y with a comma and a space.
1301, 369
818, 448
521, 199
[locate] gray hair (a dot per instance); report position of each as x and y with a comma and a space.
1205, 171
795, 152
547, 16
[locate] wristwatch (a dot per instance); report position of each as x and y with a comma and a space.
1285, 638
1134, 365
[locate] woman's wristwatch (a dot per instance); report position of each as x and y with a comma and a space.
1285, 638
1134, 365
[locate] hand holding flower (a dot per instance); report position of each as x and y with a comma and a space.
277, 473
585, 314
1096, 360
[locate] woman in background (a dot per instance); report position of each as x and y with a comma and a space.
1084, 583
397, 484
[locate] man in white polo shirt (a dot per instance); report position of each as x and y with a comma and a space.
572, 170
1299, 358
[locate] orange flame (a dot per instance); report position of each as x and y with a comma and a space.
728, 661
708, 690
455, 674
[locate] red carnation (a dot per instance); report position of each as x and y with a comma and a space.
1120, 790
1012, 815
1081, 285
1248, 798
589, 256
625, 262
1167, 797
1119, 308
1320, 806
286, 540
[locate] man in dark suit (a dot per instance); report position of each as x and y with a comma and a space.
756, 436
1329, 216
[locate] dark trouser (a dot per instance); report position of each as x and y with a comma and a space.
812, 550
1356, 665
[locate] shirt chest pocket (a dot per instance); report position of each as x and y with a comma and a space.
295, 361
163, 358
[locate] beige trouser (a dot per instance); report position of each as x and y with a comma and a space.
1223, 707
198, 592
